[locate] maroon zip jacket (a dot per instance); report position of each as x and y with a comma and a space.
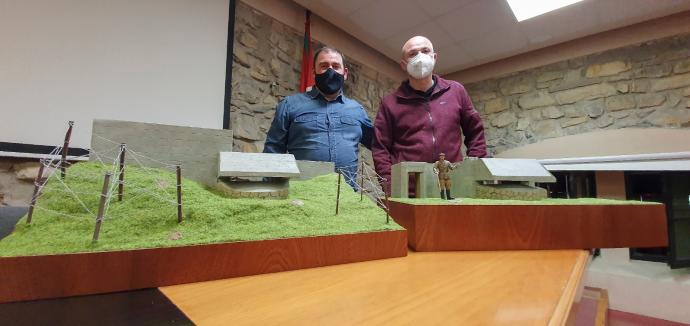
410, 128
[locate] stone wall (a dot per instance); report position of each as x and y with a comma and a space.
267, 58
645, 85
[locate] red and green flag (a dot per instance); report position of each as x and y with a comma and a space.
307, 78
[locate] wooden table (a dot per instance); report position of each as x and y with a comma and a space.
452, 288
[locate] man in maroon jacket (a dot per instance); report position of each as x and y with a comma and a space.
425, 116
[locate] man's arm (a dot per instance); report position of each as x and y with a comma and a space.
277, 136
382, 145
367, 130
472, 127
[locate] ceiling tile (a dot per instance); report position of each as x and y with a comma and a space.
439, 7
476, 19
384, 18
451, 58
625, 12
430, 30
343, 7
466, 33
496, 44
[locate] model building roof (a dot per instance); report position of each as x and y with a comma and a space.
503, 169
238, 164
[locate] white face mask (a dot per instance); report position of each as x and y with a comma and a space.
421, 66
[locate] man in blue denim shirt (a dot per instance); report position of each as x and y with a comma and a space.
322, 124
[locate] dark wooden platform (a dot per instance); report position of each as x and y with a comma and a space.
508, 227
40, 277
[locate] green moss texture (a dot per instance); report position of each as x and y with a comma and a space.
147, 216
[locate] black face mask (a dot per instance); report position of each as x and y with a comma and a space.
329, 82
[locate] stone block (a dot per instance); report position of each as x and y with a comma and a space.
516, 85
607, 69
248, 40
523, 124
574, 121
484, 96
672, 99
621, 114
686, 92
620, 102
496, 105
552, 112
536, 99
504, 119
669, 118
550, 76
682, 67
655, 71
246, 126
604, 121
573, 79
547, 129
623, 87
260, 75
650, 100
676, 81
241, 57
640, 86
589, 92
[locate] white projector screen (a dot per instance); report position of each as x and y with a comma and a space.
157, 61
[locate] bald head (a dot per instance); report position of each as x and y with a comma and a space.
414, 45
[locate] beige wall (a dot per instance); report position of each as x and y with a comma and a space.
292, 14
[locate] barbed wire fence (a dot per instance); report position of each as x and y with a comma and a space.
367, 182
161, 189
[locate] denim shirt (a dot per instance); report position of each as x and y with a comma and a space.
315, 129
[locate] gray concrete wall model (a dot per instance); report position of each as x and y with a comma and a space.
311, 169
196, 149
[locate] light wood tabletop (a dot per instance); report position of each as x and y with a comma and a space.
450, 288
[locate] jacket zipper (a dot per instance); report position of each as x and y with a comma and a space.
433, 130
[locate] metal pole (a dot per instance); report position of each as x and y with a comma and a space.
387, 212
361, 184
101, 205
37, 185
179, 194
121, 184
337, 197
65, 147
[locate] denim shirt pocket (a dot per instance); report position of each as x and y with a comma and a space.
306, 132
350, 129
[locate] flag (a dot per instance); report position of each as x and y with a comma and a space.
307, 78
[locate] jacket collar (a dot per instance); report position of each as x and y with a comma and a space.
405, 91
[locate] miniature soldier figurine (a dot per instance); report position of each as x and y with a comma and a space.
443, 168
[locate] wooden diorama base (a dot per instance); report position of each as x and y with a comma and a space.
53, 276
508, 227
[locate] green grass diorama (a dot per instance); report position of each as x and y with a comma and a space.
546, 201
143, 220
